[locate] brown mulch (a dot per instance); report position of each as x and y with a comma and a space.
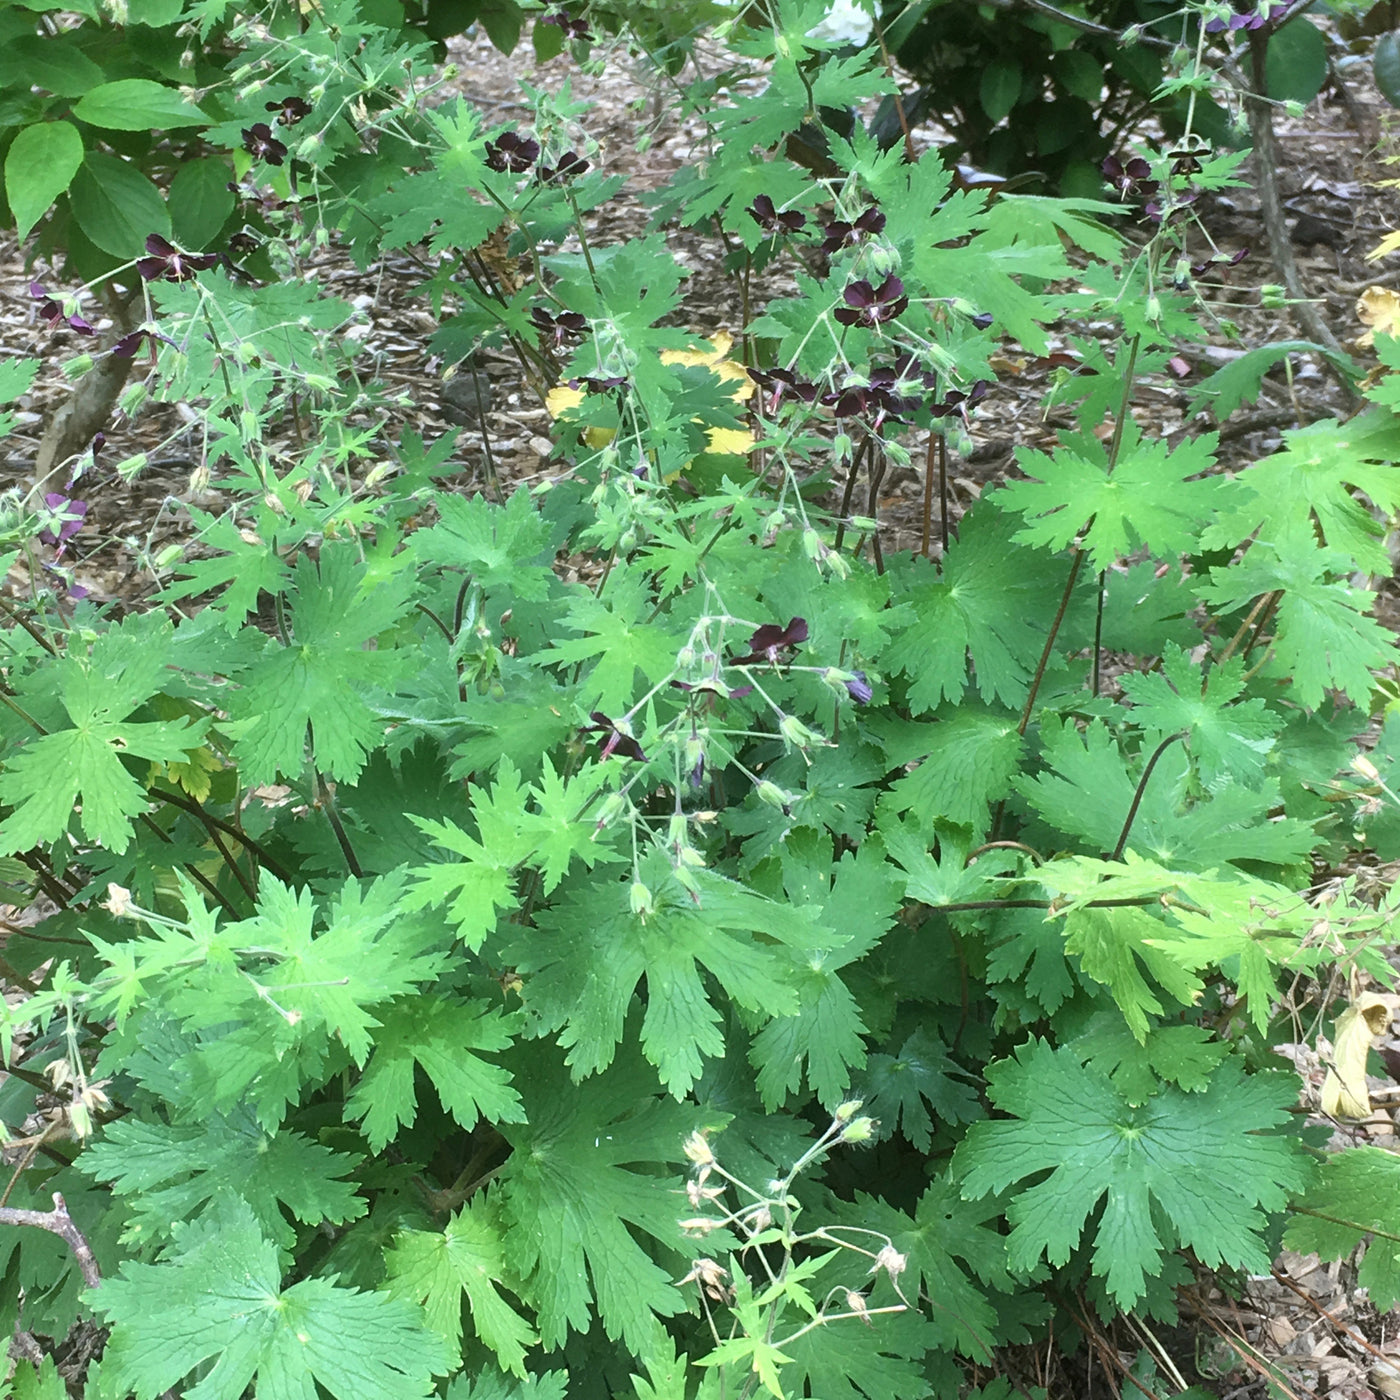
1306, 1326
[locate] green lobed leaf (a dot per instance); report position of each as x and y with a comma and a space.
1195, 1171
467, 1260
216, 1304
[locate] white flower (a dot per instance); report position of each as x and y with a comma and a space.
846, 22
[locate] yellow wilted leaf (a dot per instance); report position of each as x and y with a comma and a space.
1379, 308
1388, 244
561, 399
1344, 1093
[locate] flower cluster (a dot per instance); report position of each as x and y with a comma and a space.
843, 234
571, 166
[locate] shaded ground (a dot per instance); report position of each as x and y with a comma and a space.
1308, 1320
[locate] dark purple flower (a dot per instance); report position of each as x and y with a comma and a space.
165, 262
1248, 17
879, 397
858, 688
512, 152
65, 519
567, 328
99, 441
959, 401
982, 320
781, 384
571, 166
129, 344
1132, 178
573, 28
872, 306
51, 311
773, 223
243, 242
770, 641
618, 737
591, 385
841, 234
261, 144
1222, 260
1155, 211
290, 110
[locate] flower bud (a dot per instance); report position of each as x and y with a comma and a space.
1363, 765
859, 1130
641, 900
795, 732
774, 796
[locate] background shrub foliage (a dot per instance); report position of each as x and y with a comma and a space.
749, 961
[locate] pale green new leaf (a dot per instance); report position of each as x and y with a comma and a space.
1230, 738
217, 1302
1326, 638
1152, 497
1321, 481
319, 680
466, 1259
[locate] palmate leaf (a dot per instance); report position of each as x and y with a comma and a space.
445, 1038
318, 680
588, 954
332, 981
499, 546
1090, 791
857, 899
965, 760
587, 1162
954, 1258
1229, 738
1153, 497
1326, 638
218, 1298
467, 1259
621, 638
989, 605
906, 1091
1353, 1198
1317, 482
47, 775
1195, 1171
171, 1173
